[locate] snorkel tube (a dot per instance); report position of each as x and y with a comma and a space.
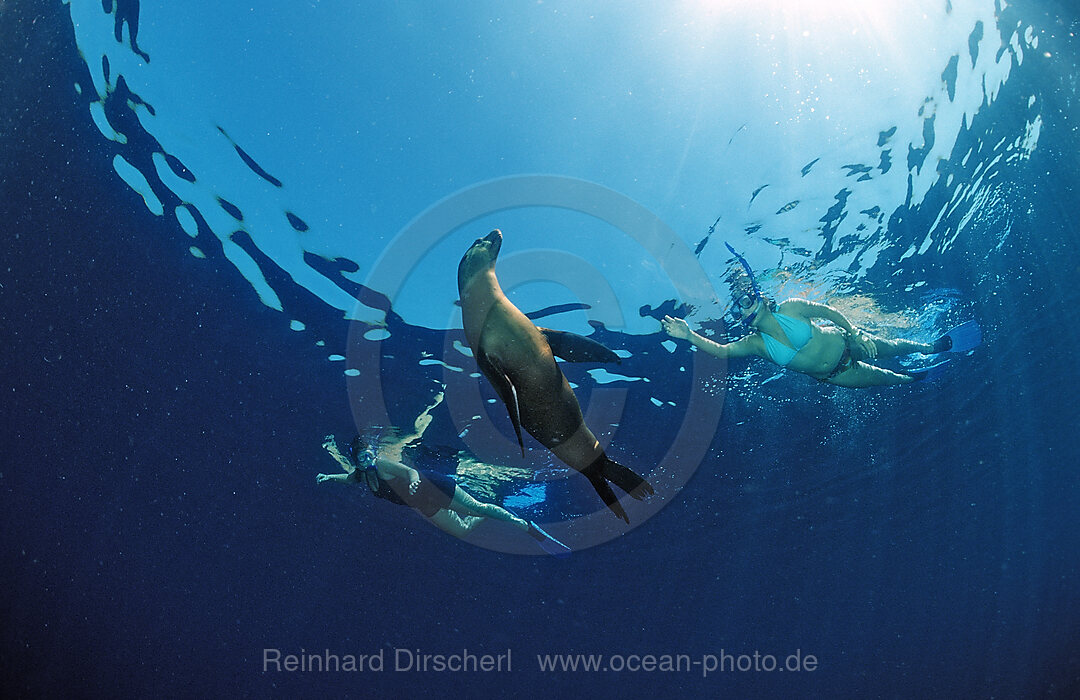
755, 293
745, 266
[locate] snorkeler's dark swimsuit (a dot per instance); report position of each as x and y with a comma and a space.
434, 493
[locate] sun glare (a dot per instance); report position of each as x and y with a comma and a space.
808, 17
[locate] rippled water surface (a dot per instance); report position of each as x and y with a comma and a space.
235, 229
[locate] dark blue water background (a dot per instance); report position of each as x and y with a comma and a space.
161, 524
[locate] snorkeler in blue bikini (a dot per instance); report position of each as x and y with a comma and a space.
837, 354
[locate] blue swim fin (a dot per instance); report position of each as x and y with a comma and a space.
548, 543
963, 338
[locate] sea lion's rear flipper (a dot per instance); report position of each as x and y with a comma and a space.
577, 348
626, 479
594, 473
506, 391
604, 470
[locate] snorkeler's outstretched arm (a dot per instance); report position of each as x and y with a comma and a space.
812, 309
319, 478
744, 347
330, 445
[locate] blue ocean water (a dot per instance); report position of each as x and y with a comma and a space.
168, 398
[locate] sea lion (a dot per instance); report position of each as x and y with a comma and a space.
519, 360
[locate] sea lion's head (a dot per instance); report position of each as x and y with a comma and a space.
480, 257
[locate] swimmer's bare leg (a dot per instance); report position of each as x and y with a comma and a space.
464, 504
896, 348
863, 375
454, 524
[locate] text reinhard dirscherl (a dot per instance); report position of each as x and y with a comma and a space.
401, 660
464, 661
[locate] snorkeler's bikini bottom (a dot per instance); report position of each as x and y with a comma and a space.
846, 362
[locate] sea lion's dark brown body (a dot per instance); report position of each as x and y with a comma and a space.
518, 360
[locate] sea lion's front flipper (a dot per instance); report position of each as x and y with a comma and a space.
577, 348
506, 391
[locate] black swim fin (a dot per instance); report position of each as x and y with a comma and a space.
604, 470
577, 348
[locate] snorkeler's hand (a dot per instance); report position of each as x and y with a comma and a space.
676, 327
321, 478
865, 343
414, 484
